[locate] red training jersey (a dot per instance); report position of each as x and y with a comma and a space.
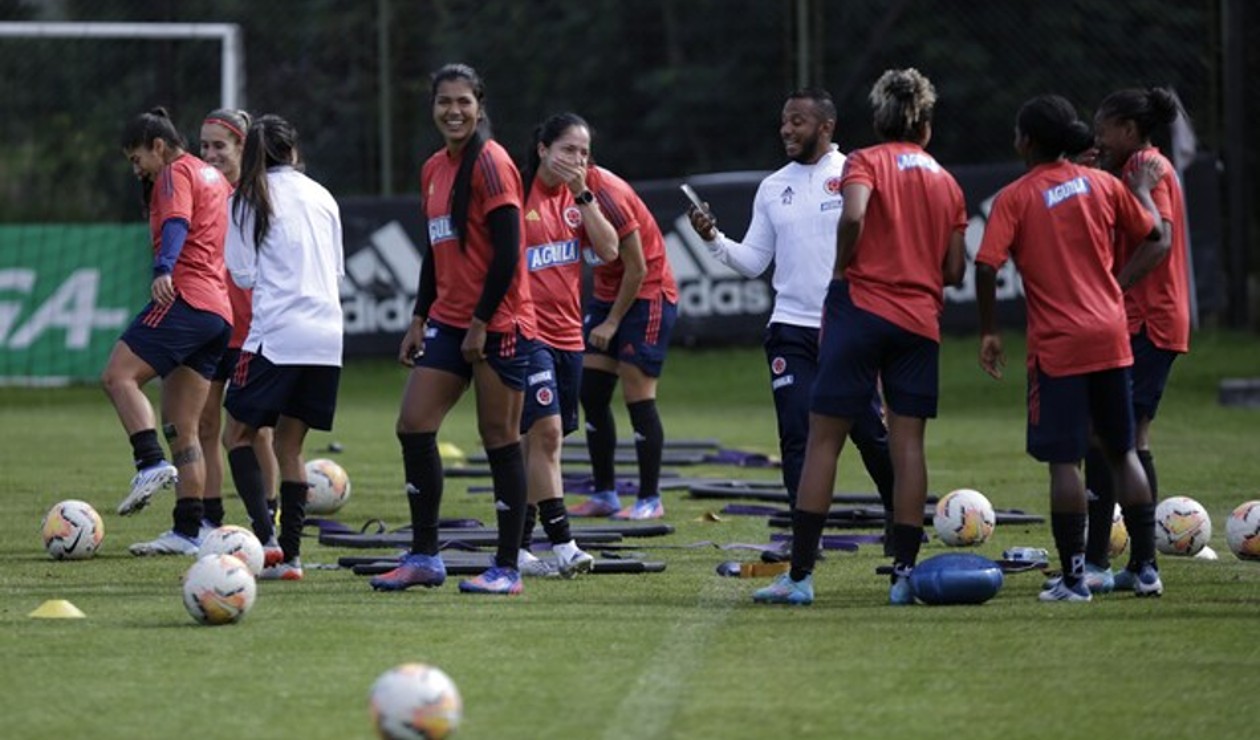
461, 274
915, 207
554, 233
1160, 301
193, 191
627, 213
1058, 222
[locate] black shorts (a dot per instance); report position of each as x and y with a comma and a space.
177, 334
260, 392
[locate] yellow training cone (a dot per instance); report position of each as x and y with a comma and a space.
57, 609
450, 453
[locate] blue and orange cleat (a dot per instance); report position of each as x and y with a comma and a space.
496, 580
414, 570
786, 591
642, 510
599, 504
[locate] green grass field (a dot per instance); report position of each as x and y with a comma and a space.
683, 654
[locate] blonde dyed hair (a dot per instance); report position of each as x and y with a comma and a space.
903, 100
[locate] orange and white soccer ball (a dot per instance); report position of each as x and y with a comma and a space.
1182, 526
1242, 531
415, 701
329, 487
236, 541
1119, 541
219, 589
964, 518
72, 530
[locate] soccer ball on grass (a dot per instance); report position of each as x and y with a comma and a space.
72, 530
329, 487
964, 518
218, 589
1182, 526
236, 541
415, 701
1242, 531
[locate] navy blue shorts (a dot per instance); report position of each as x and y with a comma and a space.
1151, 367
642, 337
508, 354
260, 392
178, 335
1063, 411
865, 349
227, 365
553, 385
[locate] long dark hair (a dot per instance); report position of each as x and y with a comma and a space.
270, 142
546, 133
1149, 108
145, 129
461, 190
1053, 128
904, 100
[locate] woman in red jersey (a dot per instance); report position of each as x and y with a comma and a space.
1156, 284
1057, 222
561, 217
222, 141
181, 334
474, 321
899, 242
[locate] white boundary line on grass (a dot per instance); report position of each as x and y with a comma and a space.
649, 706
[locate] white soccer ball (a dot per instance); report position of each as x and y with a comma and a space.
236, 541
964, 518
1119, 534
415, 701
218, 589
72, 530
1242, 531
1182, 526
329, 487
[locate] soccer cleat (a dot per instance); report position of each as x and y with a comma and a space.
496, 580
1062, 592
146, 483
786, 591
1147, 581
272, 553
1097, 580
532, 566
414, 570
169, 542
900, 593
571, 561
641, 510
288, 570
601, 504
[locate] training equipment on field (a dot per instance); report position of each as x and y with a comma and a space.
736, 569
218, 589
769, 492
415, 701
72, 530
956, 578
489, 536
329, 487
471, 564
1242, 531
1182, 526
846, 517
57, 609
236, 541
1119, 541
964, 518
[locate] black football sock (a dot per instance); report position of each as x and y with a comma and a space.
507, 469
187, 517
273, 506
247, 476
145, 449
422, 468
527, 529
292, 516
601, 428
649, 445
555, 520
1140, 521
906, 541
1102, 507
1148, 464
1069, 538
807, 528
212, 510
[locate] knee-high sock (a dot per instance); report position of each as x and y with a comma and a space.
422, 466
248, 478
292, 516
649, 445
187, 517
527, 528
507, 468
1069, 538
555, 520
1102, 505
1148, 464
601, 429
807, 527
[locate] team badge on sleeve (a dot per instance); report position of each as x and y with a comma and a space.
573, 217
832, 186
543, 396
778, 365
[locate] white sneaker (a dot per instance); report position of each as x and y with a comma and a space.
169, 542
532, 566
146, 483
571, 560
